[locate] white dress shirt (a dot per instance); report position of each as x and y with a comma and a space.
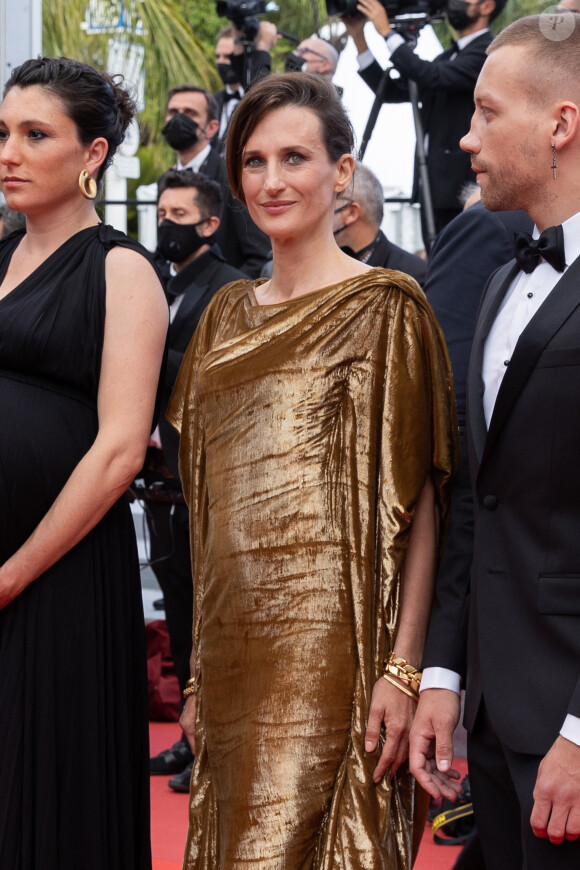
197, 161
521, 302
394, 40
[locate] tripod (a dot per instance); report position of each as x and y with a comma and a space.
409, 29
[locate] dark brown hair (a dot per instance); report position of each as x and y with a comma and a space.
95, 101
210, 102
303, 90
207, 193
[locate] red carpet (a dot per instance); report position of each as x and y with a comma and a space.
169, 817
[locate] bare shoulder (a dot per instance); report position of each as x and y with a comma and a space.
131, 264
132, 279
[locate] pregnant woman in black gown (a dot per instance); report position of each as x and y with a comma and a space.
82, 328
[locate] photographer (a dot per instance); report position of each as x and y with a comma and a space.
445, 91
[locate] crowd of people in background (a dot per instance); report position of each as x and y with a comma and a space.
367, 455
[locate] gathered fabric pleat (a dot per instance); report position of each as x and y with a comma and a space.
308, 430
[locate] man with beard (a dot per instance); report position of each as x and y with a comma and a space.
445, 88
507, 617
188, 211
191, 121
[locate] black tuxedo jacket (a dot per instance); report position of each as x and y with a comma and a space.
199, 281
243, 245
391, 256
446, 95
521, 599
464, 255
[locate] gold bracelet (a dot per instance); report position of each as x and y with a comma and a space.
189, 690
405, 672
404, 689
191, 681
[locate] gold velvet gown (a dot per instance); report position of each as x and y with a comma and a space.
308, 429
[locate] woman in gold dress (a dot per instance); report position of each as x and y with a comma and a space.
317, 442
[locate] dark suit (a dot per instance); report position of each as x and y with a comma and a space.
464, 255
521, 596
169, 524
390, 256
243, 245
446, 94
218, 141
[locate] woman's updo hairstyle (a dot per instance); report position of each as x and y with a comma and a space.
97, 104
303, 90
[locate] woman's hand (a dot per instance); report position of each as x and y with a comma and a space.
187, 721
395, 710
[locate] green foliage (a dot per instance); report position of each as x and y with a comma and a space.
173, 52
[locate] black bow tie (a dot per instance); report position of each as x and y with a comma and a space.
229, 96
550, 247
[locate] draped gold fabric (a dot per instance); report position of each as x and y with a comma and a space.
308, 429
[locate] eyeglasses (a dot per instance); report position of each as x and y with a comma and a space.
303, 51
342, 207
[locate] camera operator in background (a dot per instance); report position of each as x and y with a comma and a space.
357, 220
445, 91
231, 57
189, 210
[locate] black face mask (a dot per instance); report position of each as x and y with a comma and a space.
294, 63
181, 132
458, 14
177, 242
227, 74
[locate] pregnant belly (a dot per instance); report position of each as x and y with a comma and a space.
43, 435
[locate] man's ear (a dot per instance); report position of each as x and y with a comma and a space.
351, 213
211, 129
210, 226
566, 124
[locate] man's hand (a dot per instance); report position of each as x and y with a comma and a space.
431, 739
187, 721
376, 13
393, 709
355, 26
556, 812
267, 36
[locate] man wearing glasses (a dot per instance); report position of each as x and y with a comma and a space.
313, 55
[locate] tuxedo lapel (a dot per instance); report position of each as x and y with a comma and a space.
492, 299
558, 306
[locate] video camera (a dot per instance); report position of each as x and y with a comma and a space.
243, 14
405, 16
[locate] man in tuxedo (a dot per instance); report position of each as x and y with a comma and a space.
357, 221
507, 615
445, 88
191, 121
465, 253
189, 211
230, 62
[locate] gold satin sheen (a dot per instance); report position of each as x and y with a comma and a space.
307, 431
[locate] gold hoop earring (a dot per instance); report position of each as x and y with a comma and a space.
87, 185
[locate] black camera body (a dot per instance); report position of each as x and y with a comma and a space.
243, 14
403, 14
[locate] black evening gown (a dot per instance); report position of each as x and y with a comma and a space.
74, 783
